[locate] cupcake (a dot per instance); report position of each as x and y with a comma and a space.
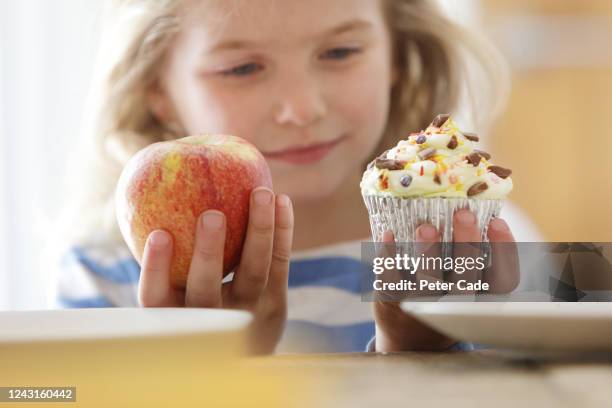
429, 176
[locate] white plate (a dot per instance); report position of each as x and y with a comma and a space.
578, 327
115, 323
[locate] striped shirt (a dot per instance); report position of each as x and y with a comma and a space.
325, 311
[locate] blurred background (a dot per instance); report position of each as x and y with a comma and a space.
556, 133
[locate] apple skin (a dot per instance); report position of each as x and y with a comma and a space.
167, 185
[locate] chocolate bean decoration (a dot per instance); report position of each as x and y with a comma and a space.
426, 153
477, 188
471, 136
440, 120
453, 143
389, 164
437, 179
421, 139
486, 155
383, 155
500, 171
473, 158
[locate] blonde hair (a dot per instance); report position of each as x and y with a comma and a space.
431, 52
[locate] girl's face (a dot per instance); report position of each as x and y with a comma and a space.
307, 82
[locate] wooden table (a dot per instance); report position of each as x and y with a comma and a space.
459, 379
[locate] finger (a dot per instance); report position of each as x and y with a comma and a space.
388, 247
384, 250
427, 234
206, 269
466, 248
388, 237
252, 274
465, 227
499, 231
428, 245
281, 252
504, 274
154, 289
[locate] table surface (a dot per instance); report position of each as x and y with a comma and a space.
489, 378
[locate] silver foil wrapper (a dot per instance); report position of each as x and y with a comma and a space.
402, 216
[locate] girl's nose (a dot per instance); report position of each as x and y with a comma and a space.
301, 104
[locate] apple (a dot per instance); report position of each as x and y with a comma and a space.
167, 185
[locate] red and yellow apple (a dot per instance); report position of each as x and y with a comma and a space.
167, 185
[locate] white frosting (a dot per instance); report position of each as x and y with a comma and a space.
446, 174
404, 152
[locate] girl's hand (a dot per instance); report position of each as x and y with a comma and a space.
260, 280
399, 331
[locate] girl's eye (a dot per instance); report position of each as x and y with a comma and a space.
340, 53
242, 70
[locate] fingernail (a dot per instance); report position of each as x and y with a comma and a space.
499, 225
426, 232
466, 217
388, 236
283, 200
159, 239
262, 197
212, 220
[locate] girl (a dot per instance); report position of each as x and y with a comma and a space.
318, 87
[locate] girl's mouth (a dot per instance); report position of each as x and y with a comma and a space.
305, 155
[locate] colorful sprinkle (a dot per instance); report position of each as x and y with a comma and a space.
384, 182
406, 180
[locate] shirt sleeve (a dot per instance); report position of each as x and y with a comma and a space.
96, 277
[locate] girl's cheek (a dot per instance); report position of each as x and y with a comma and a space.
216, 109
368, 103
366, 107
243, 116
